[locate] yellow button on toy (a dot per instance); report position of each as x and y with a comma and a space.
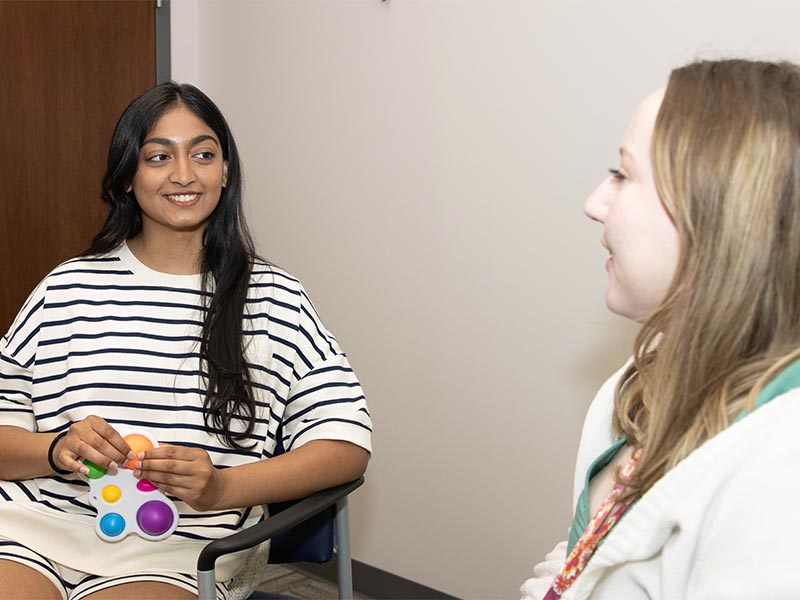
111, 494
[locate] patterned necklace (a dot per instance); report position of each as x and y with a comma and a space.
597, 528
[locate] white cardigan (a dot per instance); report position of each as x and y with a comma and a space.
723, 524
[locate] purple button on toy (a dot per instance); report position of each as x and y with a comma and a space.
154, 517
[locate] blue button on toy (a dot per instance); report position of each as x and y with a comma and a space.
112, 524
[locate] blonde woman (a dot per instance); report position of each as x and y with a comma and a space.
696, 497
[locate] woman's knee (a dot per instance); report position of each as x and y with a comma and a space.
22, 581
142, 590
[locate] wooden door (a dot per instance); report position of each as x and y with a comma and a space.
67, 71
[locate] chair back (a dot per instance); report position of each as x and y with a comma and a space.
310, 541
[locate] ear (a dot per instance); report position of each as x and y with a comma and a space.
129, 188
224, 173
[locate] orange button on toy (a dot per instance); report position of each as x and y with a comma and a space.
138, 443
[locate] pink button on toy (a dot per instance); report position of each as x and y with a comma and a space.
145, 486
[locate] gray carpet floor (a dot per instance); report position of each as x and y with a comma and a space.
281, 579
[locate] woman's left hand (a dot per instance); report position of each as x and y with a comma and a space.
186, 473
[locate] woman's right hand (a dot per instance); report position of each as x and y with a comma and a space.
96, 441
544, 573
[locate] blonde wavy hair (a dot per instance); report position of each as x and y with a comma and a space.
726, 159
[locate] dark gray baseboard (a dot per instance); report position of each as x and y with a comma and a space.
375, 583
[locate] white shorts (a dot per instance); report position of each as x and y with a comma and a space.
74, 585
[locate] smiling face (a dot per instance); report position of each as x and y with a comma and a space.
179, 176
638, 231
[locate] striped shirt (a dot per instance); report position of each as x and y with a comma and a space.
108, 336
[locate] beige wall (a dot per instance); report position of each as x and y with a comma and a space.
421, 165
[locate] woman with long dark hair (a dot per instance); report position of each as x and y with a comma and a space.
168, 323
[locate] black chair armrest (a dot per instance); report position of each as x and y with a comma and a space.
272, 526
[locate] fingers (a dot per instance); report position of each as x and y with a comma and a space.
67, 460
114, 445
92, 439
186, 473
101, 444
166, 462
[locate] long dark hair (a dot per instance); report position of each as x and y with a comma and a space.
227, 256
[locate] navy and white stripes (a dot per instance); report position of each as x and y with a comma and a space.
110, 337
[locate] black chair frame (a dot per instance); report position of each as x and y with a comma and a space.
280, 523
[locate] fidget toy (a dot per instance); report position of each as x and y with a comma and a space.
128, 505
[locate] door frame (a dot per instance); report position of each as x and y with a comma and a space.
163, 37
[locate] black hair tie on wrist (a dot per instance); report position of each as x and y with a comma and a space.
50, 454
